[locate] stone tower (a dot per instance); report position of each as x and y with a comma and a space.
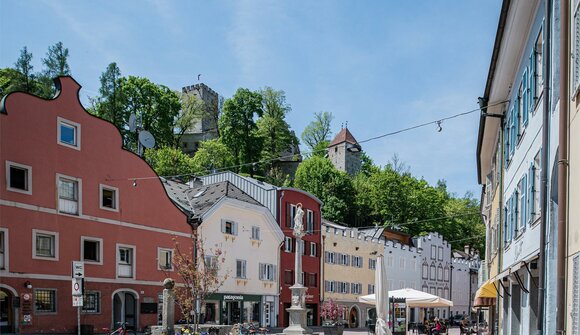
345, 153
204, 128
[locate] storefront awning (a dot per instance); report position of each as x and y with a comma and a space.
486, 295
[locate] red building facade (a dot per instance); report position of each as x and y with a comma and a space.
71, 193
311, 251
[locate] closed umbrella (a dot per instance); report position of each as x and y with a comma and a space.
382, 299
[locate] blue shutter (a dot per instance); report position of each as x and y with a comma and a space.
518, 117
533, 79
505, 221
513, 139
524, 213
517, 216
506, 140
533, 191
525, 98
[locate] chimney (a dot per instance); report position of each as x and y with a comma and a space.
466, 249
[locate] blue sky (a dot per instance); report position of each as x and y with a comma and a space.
380, 65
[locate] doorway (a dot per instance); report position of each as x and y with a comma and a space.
6, 311
125, 309
353, 317
232, 312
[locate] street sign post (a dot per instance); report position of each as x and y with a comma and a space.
78, 278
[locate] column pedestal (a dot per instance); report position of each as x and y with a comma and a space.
298, 323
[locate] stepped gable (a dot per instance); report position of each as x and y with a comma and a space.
343, 136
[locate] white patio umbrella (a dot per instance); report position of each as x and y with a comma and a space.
382, 299
413, 298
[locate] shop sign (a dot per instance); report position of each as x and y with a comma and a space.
234, 297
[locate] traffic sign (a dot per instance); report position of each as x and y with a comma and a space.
77, 287
77, 301
78, 269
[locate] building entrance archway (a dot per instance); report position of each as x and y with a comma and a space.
353, 317
125, 309
7, 311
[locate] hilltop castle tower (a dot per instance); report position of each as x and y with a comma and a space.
345, 153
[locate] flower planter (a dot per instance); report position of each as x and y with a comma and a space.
333, 329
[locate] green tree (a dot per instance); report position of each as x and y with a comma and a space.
238, 130
55, 64
168, 161
273, 128
317, 132
109, 104
10, 81
24, 67
155, 106
318, 176
211, 155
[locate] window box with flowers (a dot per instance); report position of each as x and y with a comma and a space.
330, 313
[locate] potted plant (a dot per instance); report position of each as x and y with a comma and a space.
330, 313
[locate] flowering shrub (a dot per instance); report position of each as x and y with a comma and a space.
330, 312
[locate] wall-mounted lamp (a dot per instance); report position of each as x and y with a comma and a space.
28, 284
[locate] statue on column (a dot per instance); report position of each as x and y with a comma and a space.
298, 226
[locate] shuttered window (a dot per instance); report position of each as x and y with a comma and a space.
575, 313
576, 41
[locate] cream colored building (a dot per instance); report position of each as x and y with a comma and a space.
230, 220
349, 269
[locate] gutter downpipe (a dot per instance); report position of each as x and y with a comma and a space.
544, 169
562, 169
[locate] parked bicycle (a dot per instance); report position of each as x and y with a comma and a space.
122, 330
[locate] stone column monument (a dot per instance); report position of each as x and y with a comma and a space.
298, 325
168, 313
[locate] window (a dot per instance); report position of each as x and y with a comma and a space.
371, 289
446, 273
288, 244
425, 270
45, 245
44, 301
312, 280
290, 222
288, 277
343, 287
18, 177
68, 195
91, 250
433, 252
357, 261
255, 233
301, 249
535, 177
520, 112
210, 261
330, 257
538, 65
522, 203
165, 259
109, 198
343, 259
241, 268
440, 253
372, 264
433, 272
401, 284
313, 251
330, 286
440, 272
267, 272
309, 221
125, 261
229, 227
69, 133
356, 288
3, 249
92, 302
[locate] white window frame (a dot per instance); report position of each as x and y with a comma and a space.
372, 264
92, 239
309, 221
28, 169
55, 301
116, 199
234, 227
133, 260
440, 253
159, 252
313, 249
433, 252
72, 124
292, 214
288, 244
243, 269
267, 272
256, 234
6, 254
211, 261
36, 232
79, 182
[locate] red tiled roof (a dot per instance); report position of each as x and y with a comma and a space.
343, 136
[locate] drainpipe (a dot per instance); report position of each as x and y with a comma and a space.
544, 169
562, 168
